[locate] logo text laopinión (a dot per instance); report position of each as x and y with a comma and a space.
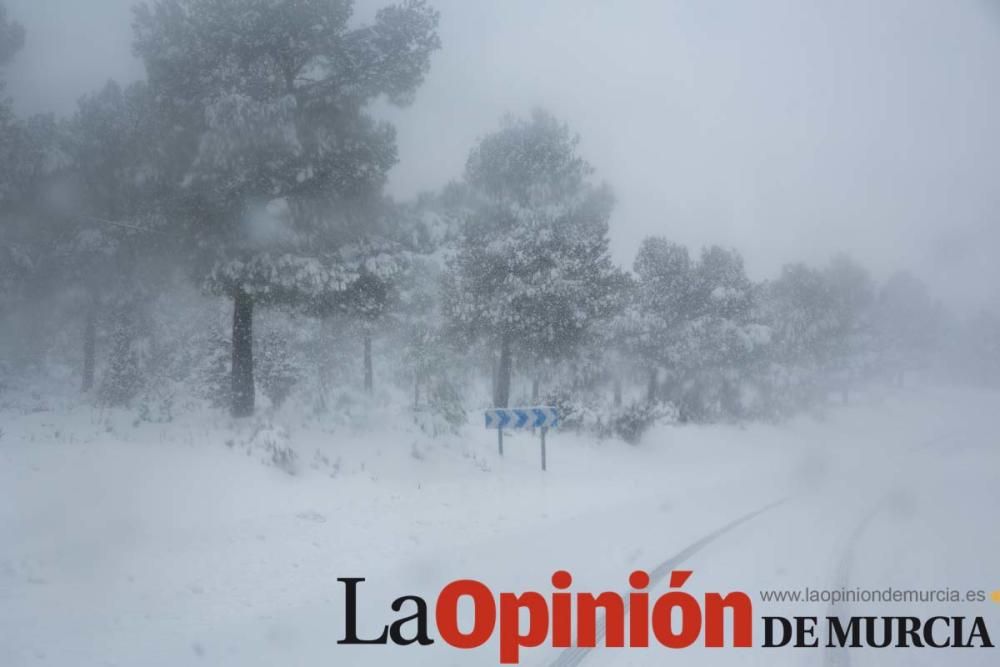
674, 619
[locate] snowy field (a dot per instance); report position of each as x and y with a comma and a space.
172, 544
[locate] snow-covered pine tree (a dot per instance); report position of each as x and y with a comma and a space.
15, 257
615, 343
721, 340
116, 237
663, 303
430, 228
379, 264
35, 188
11, 36
692, 324
269, 98
798, 309
419, 328
532, 272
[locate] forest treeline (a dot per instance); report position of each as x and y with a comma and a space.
249, 167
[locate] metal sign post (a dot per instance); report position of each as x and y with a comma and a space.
537, 417
544, 429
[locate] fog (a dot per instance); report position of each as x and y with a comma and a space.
299, 293
792, 131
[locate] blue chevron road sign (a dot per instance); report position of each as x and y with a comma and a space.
518, 418
541, 417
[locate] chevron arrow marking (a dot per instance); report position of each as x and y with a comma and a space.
533, 417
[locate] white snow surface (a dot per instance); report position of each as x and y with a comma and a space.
168, 544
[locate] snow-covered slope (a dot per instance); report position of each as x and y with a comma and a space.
171, 544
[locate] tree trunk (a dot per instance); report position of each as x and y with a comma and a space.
494, 366
416, 391
535, 390
651, 389
368, 361
89, 348
618, 392
242, 371
501, 394
321, 390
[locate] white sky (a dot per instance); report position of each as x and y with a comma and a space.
790, 130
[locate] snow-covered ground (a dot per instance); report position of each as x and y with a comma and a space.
131, 543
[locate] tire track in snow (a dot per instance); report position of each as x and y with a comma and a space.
840, 656
573, 656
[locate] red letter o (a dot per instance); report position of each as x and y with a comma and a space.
485, 616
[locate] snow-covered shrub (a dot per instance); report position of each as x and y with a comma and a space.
572, 409
156, 403
276, 367
631, 421
212, 381
444, 412
273, 443
710, 396
124, 376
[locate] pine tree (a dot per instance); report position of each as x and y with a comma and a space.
722, 340
431, 228
116, 234
799, 311
532, 273
269, 98
15, 258
11, 37
379, 265
664, 303
692, 323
